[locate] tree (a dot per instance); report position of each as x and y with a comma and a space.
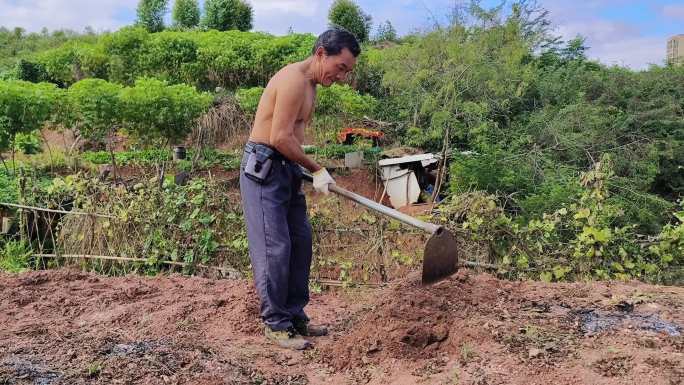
94, 110
186, 13
576, 49
386, 32
24, 107
151, 14
155, 111
94, 107
348, 15
225, 15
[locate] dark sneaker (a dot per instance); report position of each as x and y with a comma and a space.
304, 328
288, 339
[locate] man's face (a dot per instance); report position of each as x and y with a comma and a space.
335, 68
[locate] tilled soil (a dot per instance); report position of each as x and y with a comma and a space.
69, 327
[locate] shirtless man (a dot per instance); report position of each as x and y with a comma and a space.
278, 228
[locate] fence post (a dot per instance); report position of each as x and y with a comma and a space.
23, 235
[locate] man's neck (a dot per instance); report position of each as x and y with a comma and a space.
308, 67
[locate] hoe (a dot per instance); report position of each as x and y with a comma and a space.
440, 258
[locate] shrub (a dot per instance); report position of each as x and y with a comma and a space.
345, 101
205, 59
28, 143
337, 99
95, 108
153, 110
15, 256
24, 107
578, 241
248, 98
9, 188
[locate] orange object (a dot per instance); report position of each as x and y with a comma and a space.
346, 134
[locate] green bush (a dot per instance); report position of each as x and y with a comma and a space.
368, 73
97, 157
581, 240
17, 44
28, 143
15, 256
30, 71
170, 57
248, 98
9, 188
344, 101
206, 59
550, 195
338, 100
151, 157
490, 172
122, 50
94, 108
670, 249
154, 110
148, 157
25, 107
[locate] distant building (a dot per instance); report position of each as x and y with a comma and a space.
675, 49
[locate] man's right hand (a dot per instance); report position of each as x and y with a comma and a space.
321, 180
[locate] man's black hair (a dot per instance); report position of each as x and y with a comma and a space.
335, 40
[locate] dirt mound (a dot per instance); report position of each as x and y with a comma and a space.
412, 321
485, 324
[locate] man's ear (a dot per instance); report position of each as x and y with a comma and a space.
320, 52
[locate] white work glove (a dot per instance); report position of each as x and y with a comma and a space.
321, 180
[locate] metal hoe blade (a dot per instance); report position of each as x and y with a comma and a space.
440, 258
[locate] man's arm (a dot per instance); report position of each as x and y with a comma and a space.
288, 102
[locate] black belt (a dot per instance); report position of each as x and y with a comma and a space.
275, 154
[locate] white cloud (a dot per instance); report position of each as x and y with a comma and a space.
300, 7
674, 11
33, 15
637, 53
619, 44
610, 42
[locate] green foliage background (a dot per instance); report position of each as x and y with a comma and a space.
560, 167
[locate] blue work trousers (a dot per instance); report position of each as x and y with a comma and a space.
279, 236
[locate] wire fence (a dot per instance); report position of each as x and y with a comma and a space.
361, 255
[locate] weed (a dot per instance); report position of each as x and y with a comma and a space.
15, 256
94, 369
467, 353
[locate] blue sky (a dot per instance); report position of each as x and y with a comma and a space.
624, 32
